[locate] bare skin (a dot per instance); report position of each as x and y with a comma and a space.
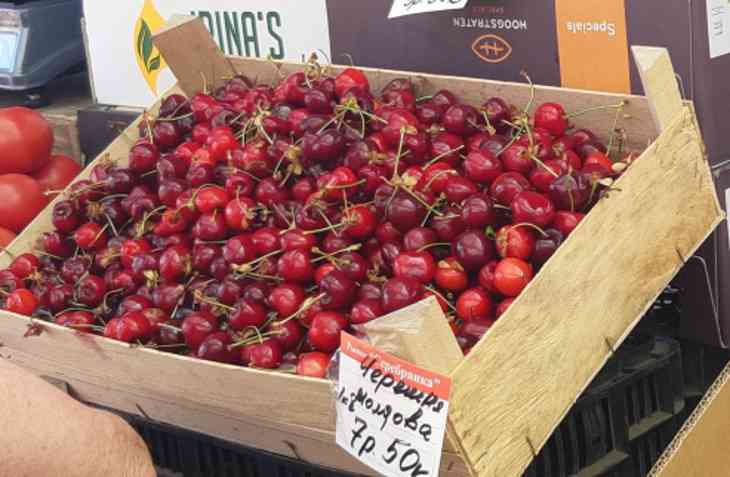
44, 432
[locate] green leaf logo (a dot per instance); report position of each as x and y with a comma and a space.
145, 48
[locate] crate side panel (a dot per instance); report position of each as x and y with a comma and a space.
516, 385
224, 389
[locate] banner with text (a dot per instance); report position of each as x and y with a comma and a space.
127, 70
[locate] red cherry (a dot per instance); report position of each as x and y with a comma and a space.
91, 290
566, 221
239, 213
516, 158
477, 211
511, 276
295, 265
24, 265
533, 208
247, 313
361, 222
339, 290
132, 247
209, 198
217, 347
417, 238
133, 303
286, 298
459, 188
542, 176
366, 310
78, 320
517, 242
21, 301
210, 226
600, 159
313, 364
461, 119
419, 266
65, 217
296, 239
450, 275
482, 166
486, 276
552, 117
59, 297
239, 249
473, 249
399, 292
473, 304
176, 262
265, 355
198, 326
289, 333
324, 332
507, 186
90, 236
546, 245
502, 307
143, 157
266, 240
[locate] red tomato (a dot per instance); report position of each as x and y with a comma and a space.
6, 236
57, 173
26, 140
22, 199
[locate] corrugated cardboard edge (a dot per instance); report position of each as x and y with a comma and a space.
694, 423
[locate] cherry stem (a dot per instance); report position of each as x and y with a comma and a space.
434, 244
596, 108
528, 106
437, 175
332, 227
174, 328
612, 136
400, 151
544, 166
202, 298
437, 293
532, 226
500, 206
330, 256
246, 267
306, 304
443, 154
490, 129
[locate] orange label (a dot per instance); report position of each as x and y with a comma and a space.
593, 45
371, 358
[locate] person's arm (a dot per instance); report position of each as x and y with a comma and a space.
44, 432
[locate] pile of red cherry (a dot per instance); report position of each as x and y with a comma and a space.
254, 224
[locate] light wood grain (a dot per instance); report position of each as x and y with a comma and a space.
702, 447
660, 84
520, 380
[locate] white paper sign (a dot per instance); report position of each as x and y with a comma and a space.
402, 8
283, 29
718, 27
391, 414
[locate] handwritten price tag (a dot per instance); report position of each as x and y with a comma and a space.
391, 414
402, 8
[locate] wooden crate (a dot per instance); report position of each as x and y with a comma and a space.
519, 381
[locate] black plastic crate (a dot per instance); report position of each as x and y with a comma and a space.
181, 453
639, 391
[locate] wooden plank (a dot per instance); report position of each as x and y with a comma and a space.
192, 55
188, 49
221, 388
660, 84
116, 375
701, 448
521, 379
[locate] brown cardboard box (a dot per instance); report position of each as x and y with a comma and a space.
575, 43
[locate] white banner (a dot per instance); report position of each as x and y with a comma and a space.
127, 70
